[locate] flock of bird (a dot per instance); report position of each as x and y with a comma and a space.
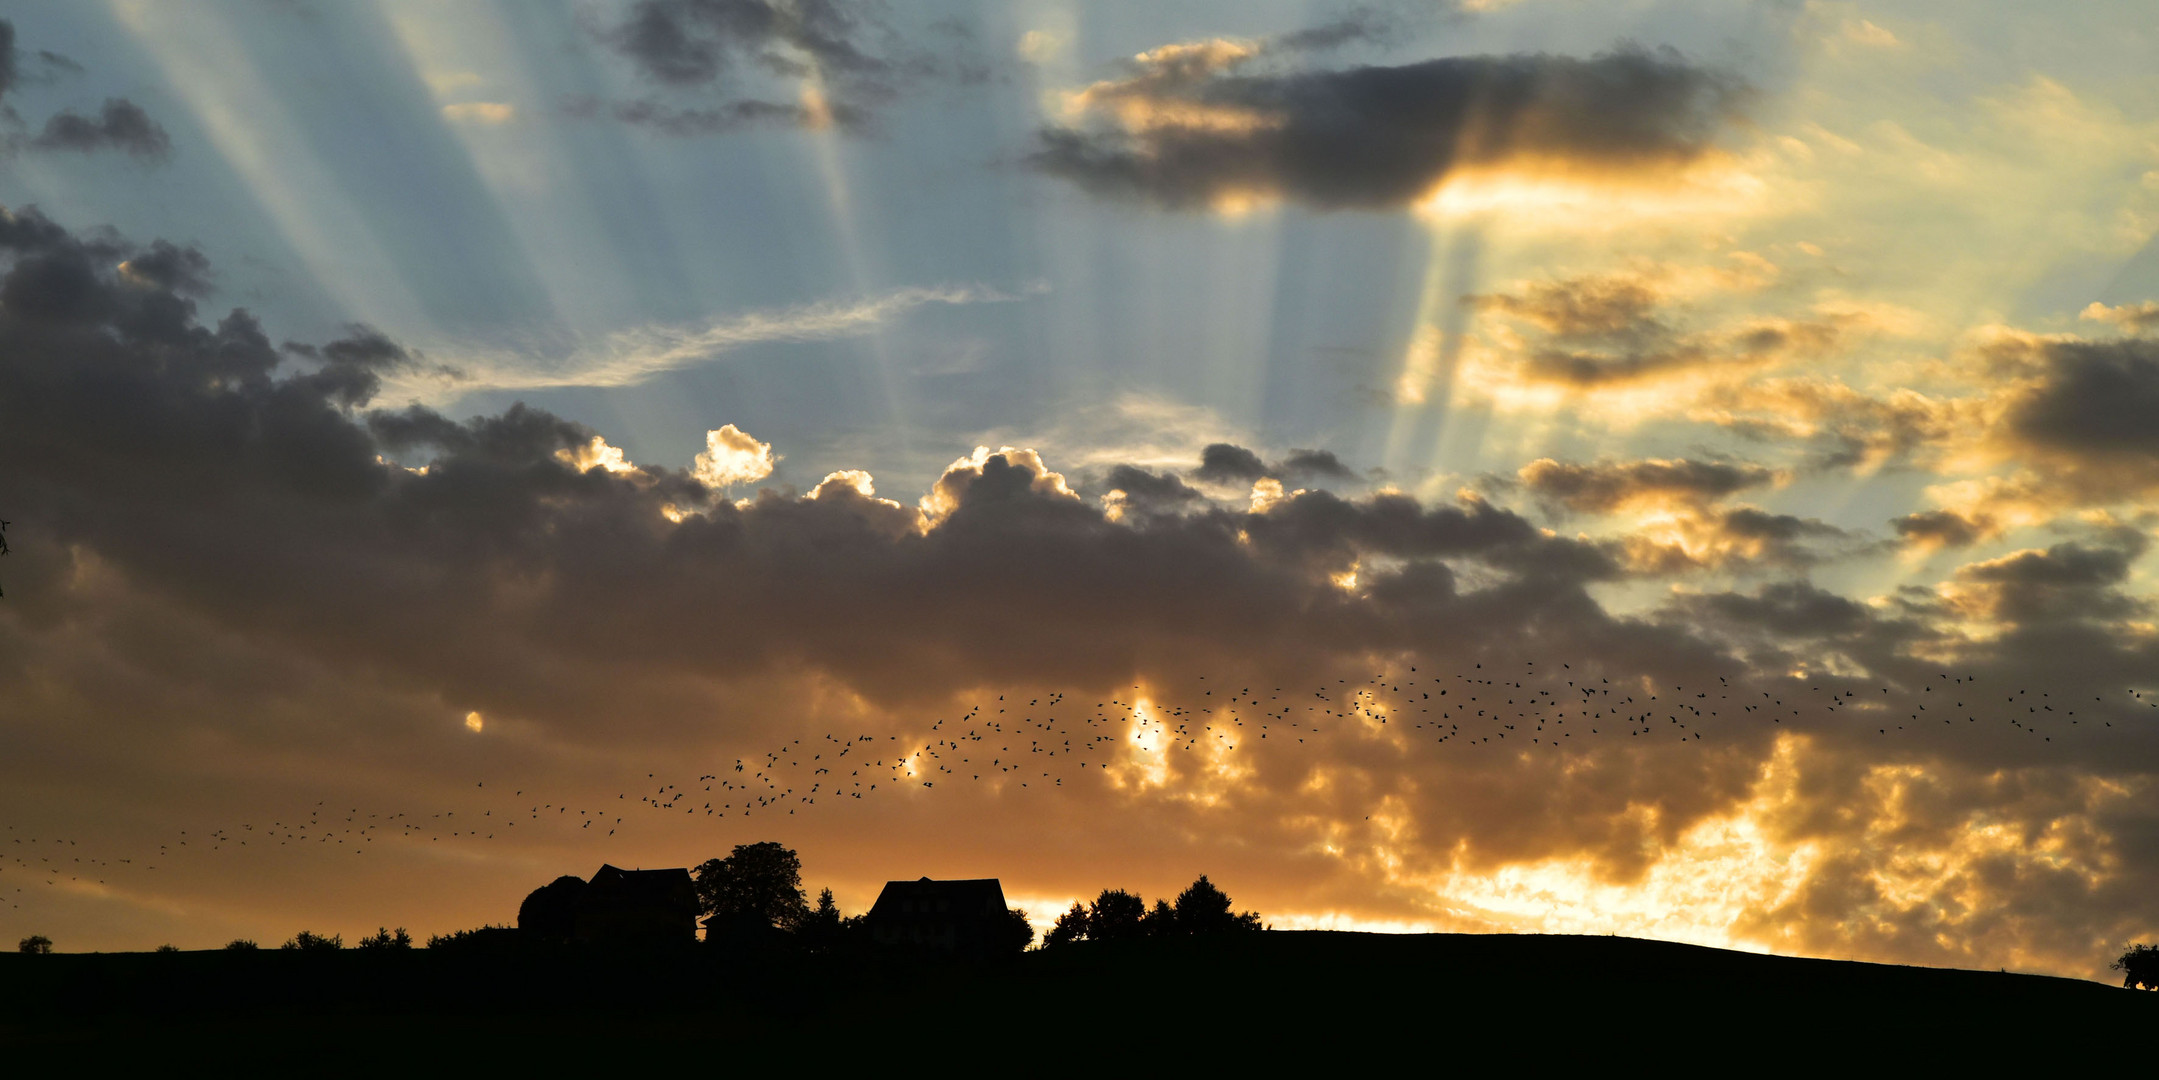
1050, 740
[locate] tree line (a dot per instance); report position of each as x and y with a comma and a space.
1117, 915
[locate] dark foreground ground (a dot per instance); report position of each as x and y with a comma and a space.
1326, 999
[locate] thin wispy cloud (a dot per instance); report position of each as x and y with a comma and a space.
632, 356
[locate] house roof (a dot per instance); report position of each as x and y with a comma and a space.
614, 885
964, 897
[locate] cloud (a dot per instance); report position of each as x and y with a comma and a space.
1606, 487
2095, 399
1228, 463
1223, 463
630, 357
1134, 490
1738, 539
2068, 582
732, 457
847, 61
1203, 123
1610, 330
694, 42
119, 125
1932, 529
2134, 318
182, 270
1848, 427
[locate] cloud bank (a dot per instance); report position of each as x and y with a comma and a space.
1214, 123
234, 564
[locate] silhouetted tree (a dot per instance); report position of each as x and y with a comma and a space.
34, 945
241, 944
1016, 933
386, 940
309, 941
168, 947
1115, 915
1204, 909
1160, 921
550, 911
820, 929
2139, 966
760, 881
1071, 926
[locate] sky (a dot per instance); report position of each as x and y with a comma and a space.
435, 433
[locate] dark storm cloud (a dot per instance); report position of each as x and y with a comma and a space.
120, 125
133, 418
1149, 492
1228, 463
2073, 581
709, 50
1315, 464
1187, 128
1225, 463
2096, 398
694, 42
1603, 487
1778, 537
1794, 610
181, 270
1941, 528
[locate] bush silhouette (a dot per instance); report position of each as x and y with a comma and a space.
385, 940
241, 944
550, 911
482, 939
309, 941
34, 945
2139, 966
168, 947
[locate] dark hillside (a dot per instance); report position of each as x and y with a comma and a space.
1287, 991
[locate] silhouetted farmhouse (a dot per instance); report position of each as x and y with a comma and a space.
963, 918
636, 907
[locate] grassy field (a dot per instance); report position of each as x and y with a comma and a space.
1235, 997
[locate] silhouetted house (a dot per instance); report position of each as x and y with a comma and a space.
961, 918
637, 907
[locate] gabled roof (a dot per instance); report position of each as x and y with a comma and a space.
613, 885
964, 897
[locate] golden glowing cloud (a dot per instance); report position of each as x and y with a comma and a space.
731, 456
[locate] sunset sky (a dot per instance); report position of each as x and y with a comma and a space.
519, 411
